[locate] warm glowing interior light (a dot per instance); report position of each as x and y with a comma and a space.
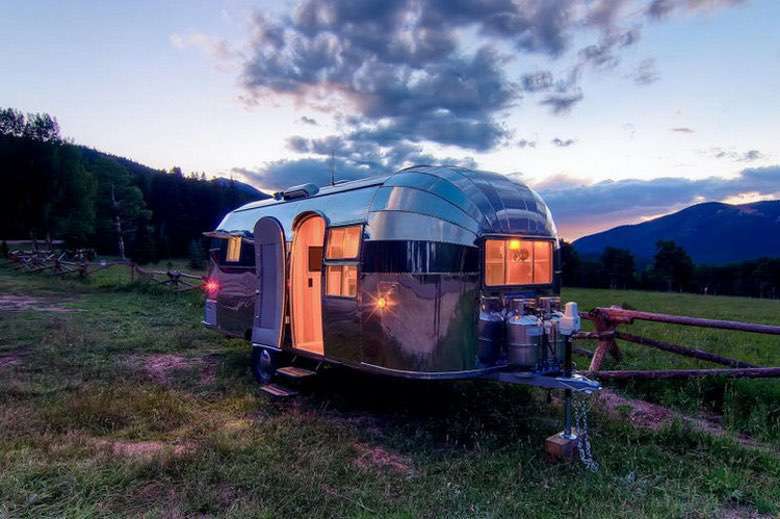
381, 303
514, 244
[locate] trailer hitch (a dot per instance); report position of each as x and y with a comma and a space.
575, 382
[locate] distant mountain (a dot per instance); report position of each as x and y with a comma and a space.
88, 198
243, 187
712, 233
140, 170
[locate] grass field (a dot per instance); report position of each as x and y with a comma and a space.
115, 401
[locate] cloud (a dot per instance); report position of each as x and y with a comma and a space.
658, 9
523, 143
683, 130
751, 155
730, 154
308, 120
645, 73
441, 72
400, 65
581, 207
602, 55
367, 150
562, 143
562, 103
281, 174
219, 50
537, 81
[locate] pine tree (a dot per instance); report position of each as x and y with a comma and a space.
197, 256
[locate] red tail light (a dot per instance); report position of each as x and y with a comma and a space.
211, 287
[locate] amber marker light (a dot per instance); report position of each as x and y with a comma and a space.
514, 244
381, 303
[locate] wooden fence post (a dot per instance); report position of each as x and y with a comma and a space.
605, 327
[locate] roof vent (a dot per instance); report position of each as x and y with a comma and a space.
301, 191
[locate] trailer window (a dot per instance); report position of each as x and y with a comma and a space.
344, 242
341, 280
223, 251
340, 275
234, 249
518, 262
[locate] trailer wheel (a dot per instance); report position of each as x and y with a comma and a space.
264, 364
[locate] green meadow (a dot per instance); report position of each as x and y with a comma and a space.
115, 401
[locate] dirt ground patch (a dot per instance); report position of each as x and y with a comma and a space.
9, 360
144, 449
374, 458
17, 303
653, 416
13, 358
740, 512
162, 367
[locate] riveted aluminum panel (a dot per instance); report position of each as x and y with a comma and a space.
440, 187
399, 225
414, 200
428, 324
340, 208
496, 203
270, 256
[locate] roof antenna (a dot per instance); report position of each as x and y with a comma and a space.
332, 168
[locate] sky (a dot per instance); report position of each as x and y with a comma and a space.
616, 111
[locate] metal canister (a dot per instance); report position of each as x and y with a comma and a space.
558, 339
555, 338
524, 335
491, 330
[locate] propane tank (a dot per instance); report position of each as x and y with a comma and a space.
524, 334
490, 330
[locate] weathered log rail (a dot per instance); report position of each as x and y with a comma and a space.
607, 320
174, 279
81, 264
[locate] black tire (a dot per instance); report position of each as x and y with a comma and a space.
264, 364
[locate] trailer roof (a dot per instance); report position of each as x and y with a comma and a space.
323, 191
430, 203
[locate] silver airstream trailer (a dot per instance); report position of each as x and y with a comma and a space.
430, 273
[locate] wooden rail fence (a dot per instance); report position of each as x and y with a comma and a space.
607, 320
81, 264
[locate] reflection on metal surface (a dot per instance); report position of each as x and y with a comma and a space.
479, 201
417, 201
419, 257
397, 225
235, 299
341, 208
405, 297
430, 326
270, 298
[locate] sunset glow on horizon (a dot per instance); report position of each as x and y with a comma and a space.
615, 111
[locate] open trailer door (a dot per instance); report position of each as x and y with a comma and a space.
270, 268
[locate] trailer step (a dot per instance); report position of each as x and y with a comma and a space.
295, 372
277, 390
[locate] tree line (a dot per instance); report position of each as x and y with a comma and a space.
54, 189
672, 269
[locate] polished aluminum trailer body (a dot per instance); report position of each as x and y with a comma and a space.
420, 269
